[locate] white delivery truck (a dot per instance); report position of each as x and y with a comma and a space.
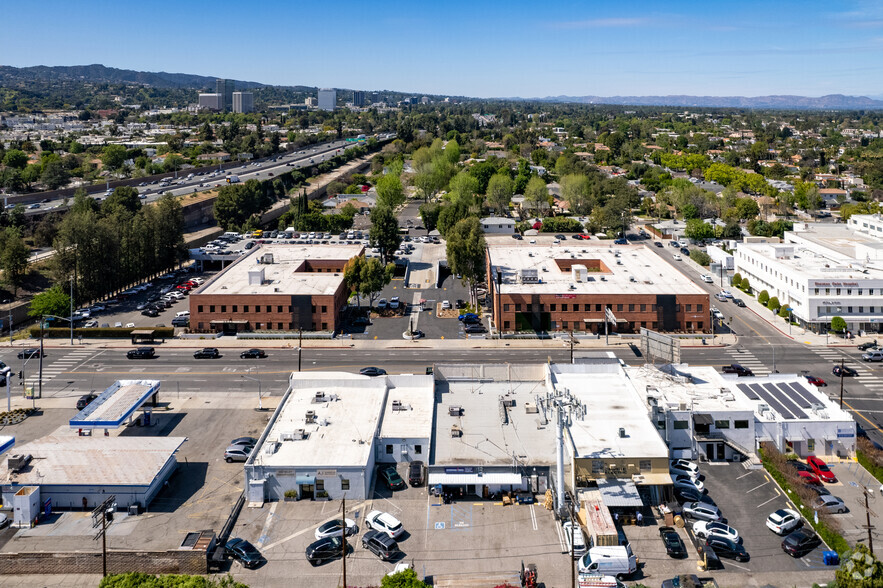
614, 560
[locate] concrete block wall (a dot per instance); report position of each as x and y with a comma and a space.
118, 562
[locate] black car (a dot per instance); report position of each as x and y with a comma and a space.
372, 371
392, 479
799, 465
380, 544
207, 353
683, 495
244, 552
29, 353
85, 400
800, 542
738, 302
325, 550
253, 354
517, 237
845, 371
685, 251
475, 328
561, 237
151, 312
141, 353
415, 473
727, 548
868, 345
460, 303
657, 243
674, 545
735, 368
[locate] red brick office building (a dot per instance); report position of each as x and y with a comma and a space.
276, 288
580, 287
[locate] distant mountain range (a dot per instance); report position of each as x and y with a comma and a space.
786, 102
99, 74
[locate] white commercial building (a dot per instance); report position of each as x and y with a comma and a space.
321, 441
820, 271
327, 99
498, 225
243, 102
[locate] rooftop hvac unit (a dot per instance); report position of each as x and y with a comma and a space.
310, 417
529, 276
507, 401
256, 277
320, 396
18, 462
456, 431
579, 272
396, 405
622, 432
271, 447
531, 408
267, 258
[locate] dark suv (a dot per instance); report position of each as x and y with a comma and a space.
380, 544
735, 368
392, 479
415, 473
141, 353
207, 353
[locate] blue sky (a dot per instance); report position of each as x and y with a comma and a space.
485, 49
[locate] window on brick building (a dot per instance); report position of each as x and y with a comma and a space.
517, 307
652, 308
223, 308
689, 308
235, 308
211, 308
677, 308
619, 307
643, 307
506, 308
698, 308
699, 325
324, 326
530, 308
631, 307
245, 308
279, 309
554, 307
290, 326
597, 308
506, 325
313, 309
324, 309
564, 325
289, 310
576, 308
199, 308
257, 326
563, 308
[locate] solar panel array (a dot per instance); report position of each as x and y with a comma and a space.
786, 398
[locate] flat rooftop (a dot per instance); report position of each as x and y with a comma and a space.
285, 274
812, 264
412, 418
611, 269
611, 402
705, 391
786, 397
485, 440
94, 461
115, 405
844, 241
346, 412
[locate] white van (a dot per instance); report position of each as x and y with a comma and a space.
183, 313
615, 560
573, 531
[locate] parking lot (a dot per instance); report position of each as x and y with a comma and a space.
466, 536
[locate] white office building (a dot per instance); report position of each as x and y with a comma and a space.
327, 99
820, 271
243, 102
498, 225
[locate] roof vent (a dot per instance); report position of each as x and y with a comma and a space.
18, 462
310, 417
396, 405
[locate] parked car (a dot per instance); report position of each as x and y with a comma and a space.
394, 303
726, 294
325, 550
152, 312
575, 541
705, 529
237, 453
446, 305
253, 354
685, 495
735, 368
783, 520
800, 542
244, 552
683, 466
821, 469
474, 328
372, 371
32, 352
141, 353
815, 381
382, 304
809, 477
468, 316
674, 545
688, 481
385, 523
703, 512
685, 251
336, 528
831, 504
415, 473
181, 321
844, 371
621, 241
739, 302
706, 278
392, 479
244, 441
380, 544
207, 353
868, 345
85, 400
724, 547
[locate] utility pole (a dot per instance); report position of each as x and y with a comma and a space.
571, 346
300, 345
343, 536
100, 519
868, 518
72, 312
841, 384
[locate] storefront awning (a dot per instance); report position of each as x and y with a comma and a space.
619, 493
502, 478
305, 479
703, 419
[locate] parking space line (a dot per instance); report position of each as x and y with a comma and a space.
743, 475
533, 517
264, 532
768, 501
302, 531
729, 563
756, 487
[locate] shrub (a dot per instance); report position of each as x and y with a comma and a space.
291, 494
763, 297
737, 280
838, 324
784, 312
773, 304
700, 257
745, 285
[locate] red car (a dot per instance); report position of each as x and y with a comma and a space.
816, 381
809, 477
584, 236
821, 469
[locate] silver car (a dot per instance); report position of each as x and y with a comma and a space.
830, 503
702, 511
237, 453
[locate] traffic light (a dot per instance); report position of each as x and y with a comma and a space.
21, 376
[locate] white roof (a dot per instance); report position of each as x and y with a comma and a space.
705, 390
417, 397
286, 274
828, 264
611, 402
344, 427
497, 220
651, 275
94, 461
787, 397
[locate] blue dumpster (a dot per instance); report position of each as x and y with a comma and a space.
830, 558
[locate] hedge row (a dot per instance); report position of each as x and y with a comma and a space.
99, 333
832, 538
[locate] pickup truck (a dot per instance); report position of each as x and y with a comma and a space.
689, 581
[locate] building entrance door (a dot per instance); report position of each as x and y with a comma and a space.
307, 491
721, 452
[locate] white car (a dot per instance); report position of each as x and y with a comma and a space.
334, 527
684, 467
382, 304
384, 523
717, 314
394, 302
706, 278
446, 305
783, 521
573, 531
726, 294
676, 257
705, 529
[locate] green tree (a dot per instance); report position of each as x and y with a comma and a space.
429, 213
746, 208
576, 192
390, 192
773, 304
838, 325
122, 199
404, 579
54, 175
13, 257
536, 196
499, 193
746, 285
172, 162
450, 215
463, 188
452, 152
16, 158
698, 230
737, 280
700, 257
731, 230
367, 277
113, 156
763, 297
385, 231
466, 251
859, 569
54, 301
206, 133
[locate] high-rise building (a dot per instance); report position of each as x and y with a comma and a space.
358, 98
327, 99
225, 88
243, 102
213, 101
311, 101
